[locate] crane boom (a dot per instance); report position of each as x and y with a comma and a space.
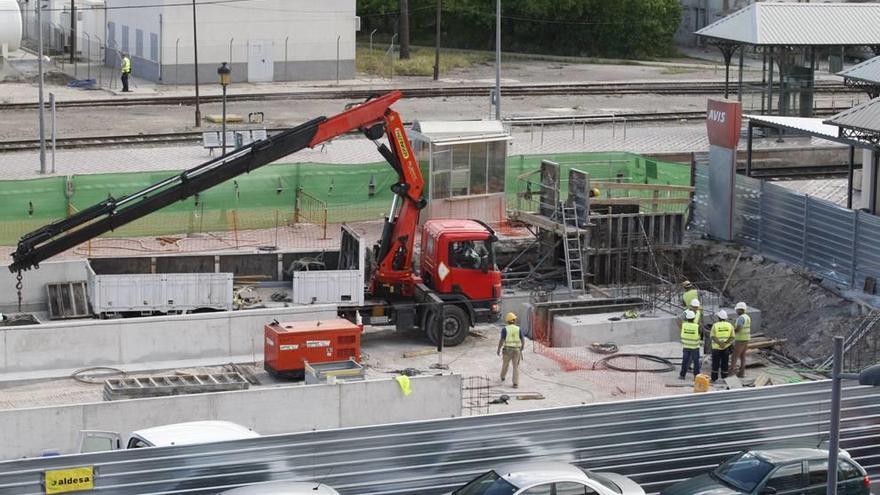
373, 117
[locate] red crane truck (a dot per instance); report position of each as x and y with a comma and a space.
458, 284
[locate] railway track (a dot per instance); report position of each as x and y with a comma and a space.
671, 88
196, 136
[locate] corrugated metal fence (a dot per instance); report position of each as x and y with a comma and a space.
655, 441
827, 239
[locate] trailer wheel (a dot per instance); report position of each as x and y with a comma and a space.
456, 326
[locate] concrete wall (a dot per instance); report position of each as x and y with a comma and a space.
34, 282
583, 330
83, 343
30, 432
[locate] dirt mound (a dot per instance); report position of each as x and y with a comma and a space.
793, 304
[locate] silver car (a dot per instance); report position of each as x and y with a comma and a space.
283, 488
548, 478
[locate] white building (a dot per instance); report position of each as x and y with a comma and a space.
264, 40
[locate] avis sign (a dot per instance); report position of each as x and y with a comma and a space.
723, 122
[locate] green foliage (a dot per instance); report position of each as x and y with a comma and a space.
598, 28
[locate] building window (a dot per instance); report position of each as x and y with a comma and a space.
468, 169
154, 47
139, 43
124, 39
111, 35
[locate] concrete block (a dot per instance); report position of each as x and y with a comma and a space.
34, 282
363, 403
82, 343
583, 330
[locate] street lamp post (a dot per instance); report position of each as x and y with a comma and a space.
868, 376
196, 63
225, 76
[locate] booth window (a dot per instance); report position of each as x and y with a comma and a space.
468, 169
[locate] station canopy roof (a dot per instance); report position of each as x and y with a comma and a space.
799, 24
860, 122
813, 127
458, 132
867, 71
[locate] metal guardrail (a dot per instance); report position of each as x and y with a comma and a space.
655, 441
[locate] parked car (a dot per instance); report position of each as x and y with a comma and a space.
548, 478
283, 488
777, 472
190, 433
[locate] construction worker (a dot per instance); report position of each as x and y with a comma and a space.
126, 70
690, 343
742, 335
690, 293
722, 338
511, 343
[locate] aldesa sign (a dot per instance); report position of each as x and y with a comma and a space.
70, 480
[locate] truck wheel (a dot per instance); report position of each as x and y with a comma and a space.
456, 326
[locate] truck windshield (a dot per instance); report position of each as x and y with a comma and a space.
743, 472
487, 484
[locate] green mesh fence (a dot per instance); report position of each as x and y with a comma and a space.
267, 196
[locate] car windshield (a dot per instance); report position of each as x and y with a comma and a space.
487, 484
598, 478
744, 472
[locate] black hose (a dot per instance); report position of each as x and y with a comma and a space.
606, 362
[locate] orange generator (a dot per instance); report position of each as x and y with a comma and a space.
287, 346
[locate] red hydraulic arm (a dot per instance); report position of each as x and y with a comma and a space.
373, 117
394, 274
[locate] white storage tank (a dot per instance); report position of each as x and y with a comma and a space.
10, 26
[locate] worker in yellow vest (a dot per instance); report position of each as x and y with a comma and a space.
722, 338
126, 71
742, 335
510, 348
690, 293
690, 344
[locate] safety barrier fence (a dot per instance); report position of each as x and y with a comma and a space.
267, 197
655, 441
834, 242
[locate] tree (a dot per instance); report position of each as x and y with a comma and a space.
404, 29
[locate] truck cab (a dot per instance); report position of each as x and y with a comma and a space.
190, 433
458, 262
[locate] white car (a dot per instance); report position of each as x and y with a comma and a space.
548, 478
191, 433
283, 488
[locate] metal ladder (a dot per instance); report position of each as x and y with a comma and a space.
867, 325
158, 386
571, 243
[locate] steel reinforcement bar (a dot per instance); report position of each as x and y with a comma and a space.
655, 441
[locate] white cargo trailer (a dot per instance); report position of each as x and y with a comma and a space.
158, 293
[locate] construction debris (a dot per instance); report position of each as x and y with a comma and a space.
420, 352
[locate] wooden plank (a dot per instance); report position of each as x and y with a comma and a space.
421, 352
637, 200
640, 187
762, 380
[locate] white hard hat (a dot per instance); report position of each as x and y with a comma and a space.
695, 303
741, 305
689, 315
721, 314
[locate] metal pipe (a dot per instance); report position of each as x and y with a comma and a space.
196, 65
286, 39
177, 61
834, 425
88, 55
52, 106
161, 39
338, 39
101, 66
40, 79
498, 60
739, 85
230, 50
224, 120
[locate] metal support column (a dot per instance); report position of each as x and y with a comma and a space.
849, 176
749, 149
770, 81
834, 425
739, 84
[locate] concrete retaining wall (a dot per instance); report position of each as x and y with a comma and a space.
34, 282
583, 330
84, 343
31, 432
